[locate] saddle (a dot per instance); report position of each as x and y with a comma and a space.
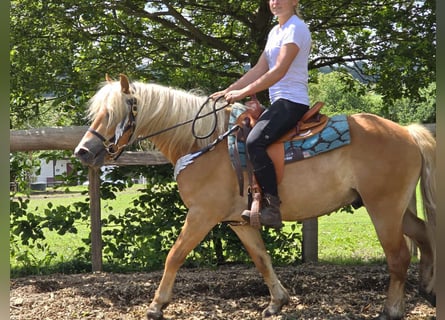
311, 123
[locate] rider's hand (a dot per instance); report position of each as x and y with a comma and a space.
218, 94
234, 95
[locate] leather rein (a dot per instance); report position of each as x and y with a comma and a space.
128, 125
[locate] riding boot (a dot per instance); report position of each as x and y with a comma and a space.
270, 215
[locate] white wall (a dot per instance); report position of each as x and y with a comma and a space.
51, 169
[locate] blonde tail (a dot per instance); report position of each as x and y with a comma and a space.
427, 145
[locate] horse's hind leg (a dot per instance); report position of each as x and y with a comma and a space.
253, 242
415, 228
389, 231
192, 233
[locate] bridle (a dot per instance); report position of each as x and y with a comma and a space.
124, 129
127, 126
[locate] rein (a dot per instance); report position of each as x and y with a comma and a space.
129, 123
197, 117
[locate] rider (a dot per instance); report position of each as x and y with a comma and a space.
283, 69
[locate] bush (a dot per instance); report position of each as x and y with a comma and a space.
137, 239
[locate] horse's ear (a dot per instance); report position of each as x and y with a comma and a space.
108, 78
125, 84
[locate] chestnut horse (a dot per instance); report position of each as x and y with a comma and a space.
381, 168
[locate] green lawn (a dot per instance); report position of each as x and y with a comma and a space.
351, 238
348, 238
343, 237
65, 245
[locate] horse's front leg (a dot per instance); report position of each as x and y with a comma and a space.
254, 244
193, 232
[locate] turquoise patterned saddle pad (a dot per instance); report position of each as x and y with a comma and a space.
334, 135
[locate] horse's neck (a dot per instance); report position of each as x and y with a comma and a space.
178, 141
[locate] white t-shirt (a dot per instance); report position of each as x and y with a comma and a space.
294, 85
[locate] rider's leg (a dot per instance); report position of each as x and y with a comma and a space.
273, 123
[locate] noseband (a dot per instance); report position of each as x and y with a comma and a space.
125, 128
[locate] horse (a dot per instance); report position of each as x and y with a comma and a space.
381, 168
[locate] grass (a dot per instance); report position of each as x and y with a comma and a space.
347, 238
343, 238
65, 246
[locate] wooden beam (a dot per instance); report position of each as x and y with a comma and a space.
142, 158
431, 127
67, 138
95, 216
53, 138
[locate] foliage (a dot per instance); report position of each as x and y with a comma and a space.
341, 93
406, 111
22, 167
27, 228
144, 233
60, 50
284, 246
137, 238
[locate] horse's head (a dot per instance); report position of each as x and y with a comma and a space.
113, 110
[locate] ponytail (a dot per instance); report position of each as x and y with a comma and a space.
297, 10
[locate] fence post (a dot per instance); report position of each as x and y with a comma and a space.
96, 232
310, 240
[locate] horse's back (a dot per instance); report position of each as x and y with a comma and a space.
381, 140
381, 158
372, 125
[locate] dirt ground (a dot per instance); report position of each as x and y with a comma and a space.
318, 291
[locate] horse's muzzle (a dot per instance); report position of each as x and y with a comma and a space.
88, 157
84, 155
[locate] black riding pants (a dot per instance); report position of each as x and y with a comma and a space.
278, 119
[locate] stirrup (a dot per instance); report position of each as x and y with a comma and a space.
254, 219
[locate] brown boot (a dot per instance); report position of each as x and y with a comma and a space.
270, 215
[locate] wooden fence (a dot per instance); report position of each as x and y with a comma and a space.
67, 138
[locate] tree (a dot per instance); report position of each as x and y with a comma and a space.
424, 111
343, 94
61, 49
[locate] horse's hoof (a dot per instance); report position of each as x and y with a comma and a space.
385, 316
154, 315
272, 310
429, 296
268, 313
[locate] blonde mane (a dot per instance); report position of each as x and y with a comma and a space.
159, 108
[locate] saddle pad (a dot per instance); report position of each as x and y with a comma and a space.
334, 135
236, 110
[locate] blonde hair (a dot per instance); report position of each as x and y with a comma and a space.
298, 11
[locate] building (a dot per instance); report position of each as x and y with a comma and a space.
52, 171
